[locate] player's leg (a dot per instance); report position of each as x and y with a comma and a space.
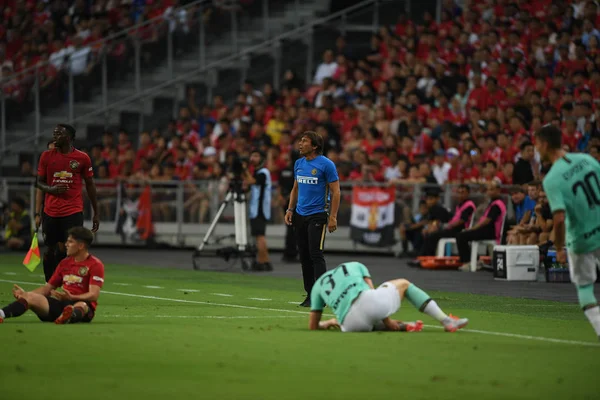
317, 226
424, 303
308, 273
66, 223
50, 232
582, 268
27, 301
73, 313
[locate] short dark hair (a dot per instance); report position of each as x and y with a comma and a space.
81, 234
551, 135
70, 129
525, 144
465, 186
315, 139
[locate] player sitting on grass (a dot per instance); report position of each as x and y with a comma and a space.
359, 307
81, 276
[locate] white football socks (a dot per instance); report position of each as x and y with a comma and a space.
2, 314
593, 315
434, 311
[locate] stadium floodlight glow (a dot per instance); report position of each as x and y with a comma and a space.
242, 250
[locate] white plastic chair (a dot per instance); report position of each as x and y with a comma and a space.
475, 246
441, 246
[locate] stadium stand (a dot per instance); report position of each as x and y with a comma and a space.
417, 101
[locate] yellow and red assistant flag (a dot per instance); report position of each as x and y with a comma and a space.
32, 259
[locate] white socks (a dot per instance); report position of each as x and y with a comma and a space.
436, 312
593, 315
2, 314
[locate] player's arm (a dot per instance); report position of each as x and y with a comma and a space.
314, 319
91, 295
557, 206
44, 290
334, 187
90, 187
369, 282
293, 197
559, 229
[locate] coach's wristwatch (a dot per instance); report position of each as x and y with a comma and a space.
290, 210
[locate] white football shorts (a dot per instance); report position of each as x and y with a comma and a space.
371, 307
582, 267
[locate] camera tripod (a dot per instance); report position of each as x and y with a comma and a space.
242, 250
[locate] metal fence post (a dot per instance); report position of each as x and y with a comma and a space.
298, 18
234, 31
141, 118
265, 11
416, 198
277, 64
179, 216
376, 15
119, 200
448, 197
137, 55
438, 11
169, 51
31, 199
71, 92
37, 111
2, 120
105, 87
309, 56
201, 38
244, 65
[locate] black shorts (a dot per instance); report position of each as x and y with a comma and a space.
258, 226
55, 229
56, 308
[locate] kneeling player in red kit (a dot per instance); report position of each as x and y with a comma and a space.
81, 277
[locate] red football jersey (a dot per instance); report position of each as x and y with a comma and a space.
77, 276
66, 169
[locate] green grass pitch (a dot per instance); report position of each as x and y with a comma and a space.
175, 334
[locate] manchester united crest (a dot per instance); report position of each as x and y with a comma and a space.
83, 271
314, 171
73, 164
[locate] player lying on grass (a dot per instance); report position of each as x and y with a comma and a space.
359, 307
81, 276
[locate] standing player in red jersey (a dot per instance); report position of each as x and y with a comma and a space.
60, 172
81, 276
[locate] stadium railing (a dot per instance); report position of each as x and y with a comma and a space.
239, 58
183, 210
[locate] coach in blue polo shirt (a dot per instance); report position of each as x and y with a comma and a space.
313, 207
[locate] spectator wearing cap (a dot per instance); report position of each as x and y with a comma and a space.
18, 226
523, 172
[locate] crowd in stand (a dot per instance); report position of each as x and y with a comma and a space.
65, 36
449, 102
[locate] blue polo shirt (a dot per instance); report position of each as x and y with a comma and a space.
521, 209
313, 178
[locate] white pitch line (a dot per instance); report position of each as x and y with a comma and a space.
205, 316
188, 290
258, 298
121, 284
10, 273
222, 294
153, 287
505, 334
